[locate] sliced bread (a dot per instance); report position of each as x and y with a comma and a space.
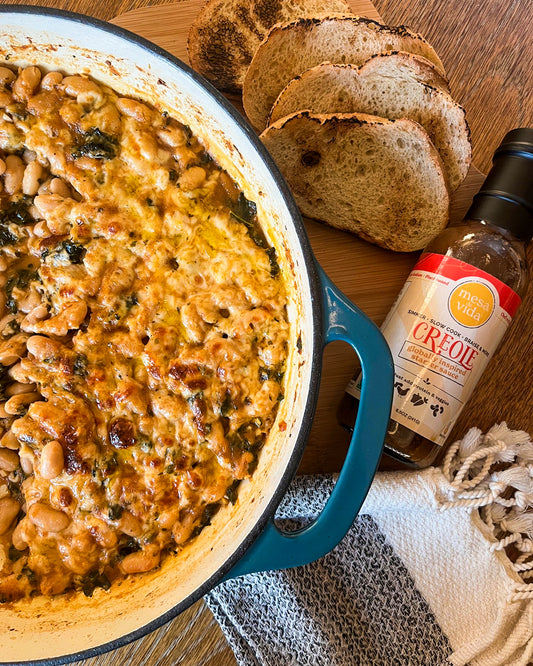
226, 33
290, 49
380, 179
381, 89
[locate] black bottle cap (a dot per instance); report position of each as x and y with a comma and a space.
506, 197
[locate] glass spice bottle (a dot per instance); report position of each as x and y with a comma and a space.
455, 307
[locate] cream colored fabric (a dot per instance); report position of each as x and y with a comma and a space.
451, 527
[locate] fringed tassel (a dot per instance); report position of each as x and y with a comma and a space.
494, 473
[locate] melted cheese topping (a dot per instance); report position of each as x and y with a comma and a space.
143, 339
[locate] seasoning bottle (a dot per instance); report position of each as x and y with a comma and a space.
455, 307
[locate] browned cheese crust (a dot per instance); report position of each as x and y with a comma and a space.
143, 335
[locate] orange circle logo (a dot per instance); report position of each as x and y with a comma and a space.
471, 304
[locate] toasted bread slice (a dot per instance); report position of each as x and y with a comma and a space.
380, 89
226, 33
290, 49
380, 179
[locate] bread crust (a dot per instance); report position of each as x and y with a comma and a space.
225, 33
380, 179
291, 48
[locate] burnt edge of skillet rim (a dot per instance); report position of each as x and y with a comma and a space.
318, 324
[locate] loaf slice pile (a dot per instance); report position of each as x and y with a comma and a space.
382, 87
291, 48
358, 116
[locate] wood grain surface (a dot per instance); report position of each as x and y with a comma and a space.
487, 51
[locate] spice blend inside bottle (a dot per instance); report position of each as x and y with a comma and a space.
455, 307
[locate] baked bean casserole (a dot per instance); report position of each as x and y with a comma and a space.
143, 335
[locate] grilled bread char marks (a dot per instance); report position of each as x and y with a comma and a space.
226, 33
382, 89
290, 49
386, 176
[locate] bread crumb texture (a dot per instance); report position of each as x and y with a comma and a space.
380, 179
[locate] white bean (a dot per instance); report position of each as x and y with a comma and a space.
9, 460
9, 508
137, 110
16, 388
68, 319
17, 538
42, 347
13, 349
84, 90
31, 179
14, 174
142, 560
129, 524
51, 80
46, 203
58, 186
18, 403
19, 373
52, 460
9, 441
7, 76
41, 230
26, 462
47, 518
192, 178
38, 313
26, 83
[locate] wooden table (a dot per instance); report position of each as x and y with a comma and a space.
487, 51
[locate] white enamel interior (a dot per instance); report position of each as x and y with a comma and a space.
46, 629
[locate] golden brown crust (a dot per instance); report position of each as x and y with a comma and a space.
144, 323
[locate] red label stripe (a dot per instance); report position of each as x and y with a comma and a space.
454, 269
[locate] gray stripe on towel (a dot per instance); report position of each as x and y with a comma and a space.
357, 606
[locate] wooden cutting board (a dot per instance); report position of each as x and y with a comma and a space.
370, 276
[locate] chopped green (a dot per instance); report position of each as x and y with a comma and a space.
205, 520
231, 491
16, 213
272, 257
275, 374
93, 580
75, 251
80, 365
20, 280
115, 512
14, 554
131, 300
96, 144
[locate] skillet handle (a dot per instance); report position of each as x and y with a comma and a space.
277, 549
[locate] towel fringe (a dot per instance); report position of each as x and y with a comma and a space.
494, 473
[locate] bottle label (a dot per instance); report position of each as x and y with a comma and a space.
442, 331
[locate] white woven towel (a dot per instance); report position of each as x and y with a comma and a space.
435, 571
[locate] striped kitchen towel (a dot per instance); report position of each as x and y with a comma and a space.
434, 571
